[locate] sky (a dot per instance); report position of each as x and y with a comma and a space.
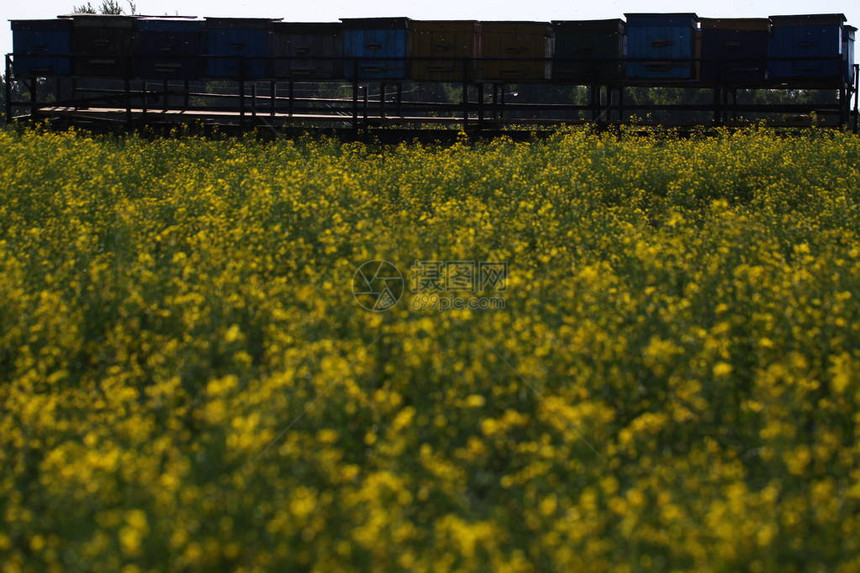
541, 10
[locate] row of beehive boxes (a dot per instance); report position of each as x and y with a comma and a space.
646, 46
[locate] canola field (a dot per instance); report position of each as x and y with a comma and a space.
189, 383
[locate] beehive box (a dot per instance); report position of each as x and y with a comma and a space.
807, 46
168, 48
524, 50
453, 45
734, 49
848, 33
42, 47
238, 48
589, 50
307, 50
376, 48
102, 45
661, 46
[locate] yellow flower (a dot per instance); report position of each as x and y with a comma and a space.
722, 369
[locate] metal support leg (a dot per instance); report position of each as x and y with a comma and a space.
127, 100
605, 104
495, 101
465, 94
717, 119
398, 104
272, 89
480, 105
291, 97
143, 105
381, 100
602, 105
241, 93
8, 88
843, 106
735, 103
354, 101
856, 95
33, 87
254, 104
592, 103
241, 103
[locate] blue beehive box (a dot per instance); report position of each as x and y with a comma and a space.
367, 42
734, 50
807, 46
848, 52
238, 48
664, 44
42, 47
168, 48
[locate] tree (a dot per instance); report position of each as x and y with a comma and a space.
106, 7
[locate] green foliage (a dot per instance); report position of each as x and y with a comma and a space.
110, 7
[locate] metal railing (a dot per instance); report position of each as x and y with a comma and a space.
605, 79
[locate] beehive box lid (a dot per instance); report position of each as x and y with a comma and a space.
168, 24
515, 26
661, 19
399, 23
746, 24
102, 21
141, 19
612, 25
808, 20
41, 25
307, 27
245, 23
445, 25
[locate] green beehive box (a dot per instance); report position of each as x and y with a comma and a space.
589, 50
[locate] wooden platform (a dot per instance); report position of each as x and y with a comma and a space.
131, 104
